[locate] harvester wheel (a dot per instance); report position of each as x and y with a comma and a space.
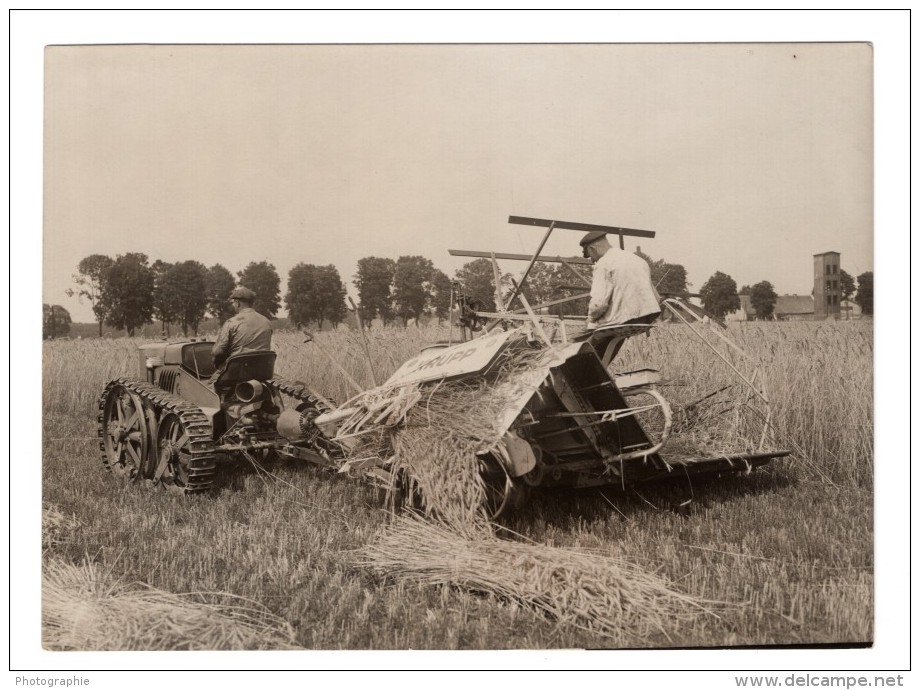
124, 432
503, 492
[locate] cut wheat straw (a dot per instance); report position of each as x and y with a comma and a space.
578, 588
56, 526
85, 608
440, 446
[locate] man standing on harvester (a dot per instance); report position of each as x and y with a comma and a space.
621, 287
246, 331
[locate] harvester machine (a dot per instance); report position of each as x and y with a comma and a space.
543, 402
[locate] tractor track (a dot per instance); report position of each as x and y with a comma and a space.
301, 392
198, 452
202, 462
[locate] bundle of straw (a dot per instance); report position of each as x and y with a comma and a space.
84, 608
586, 590
439, 447
442, 472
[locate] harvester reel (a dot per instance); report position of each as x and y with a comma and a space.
124, 428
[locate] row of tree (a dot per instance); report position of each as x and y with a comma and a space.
128, 292
402, 289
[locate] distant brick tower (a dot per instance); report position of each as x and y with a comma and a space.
827, 285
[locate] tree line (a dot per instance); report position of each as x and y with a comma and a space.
128, 292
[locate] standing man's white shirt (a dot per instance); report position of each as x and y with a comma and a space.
621, 289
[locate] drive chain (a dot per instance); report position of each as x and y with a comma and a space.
303, 395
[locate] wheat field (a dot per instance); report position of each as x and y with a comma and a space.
784, 555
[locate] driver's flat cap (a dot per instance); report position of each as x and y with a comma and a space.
243, 293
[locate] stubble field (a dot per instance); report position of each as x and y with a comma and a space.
271, 560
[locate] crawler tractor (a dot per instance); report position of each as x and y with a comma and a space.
175, 422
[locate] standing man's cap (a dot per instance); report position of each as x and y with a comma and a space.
243, 293
590, 238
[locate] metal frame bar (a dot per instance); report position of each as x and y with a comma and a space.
584, 227
568, 265
741, 376
497, 275
518, 257
520, 286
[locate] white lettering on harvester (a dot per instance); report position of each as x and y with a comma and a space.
446, 358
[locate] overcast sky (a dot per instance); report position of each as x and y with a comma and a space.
728, 155
746, 159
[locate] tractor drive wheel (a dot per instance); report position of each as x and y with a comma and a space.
124, 430
181, 467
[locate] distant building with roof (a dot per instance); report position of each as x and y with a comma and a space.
794, 308
850, 310
825, 302
787, 308
745, 312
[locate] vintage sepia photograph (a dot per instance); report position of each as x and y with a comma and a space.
458, 346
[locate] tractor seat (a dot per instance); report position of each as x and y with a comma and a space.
245, 366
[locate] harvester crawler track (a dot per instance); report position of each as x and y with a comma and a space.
194, 445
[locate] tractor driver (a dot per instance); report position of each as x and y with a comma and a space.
246, 331
621, 286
